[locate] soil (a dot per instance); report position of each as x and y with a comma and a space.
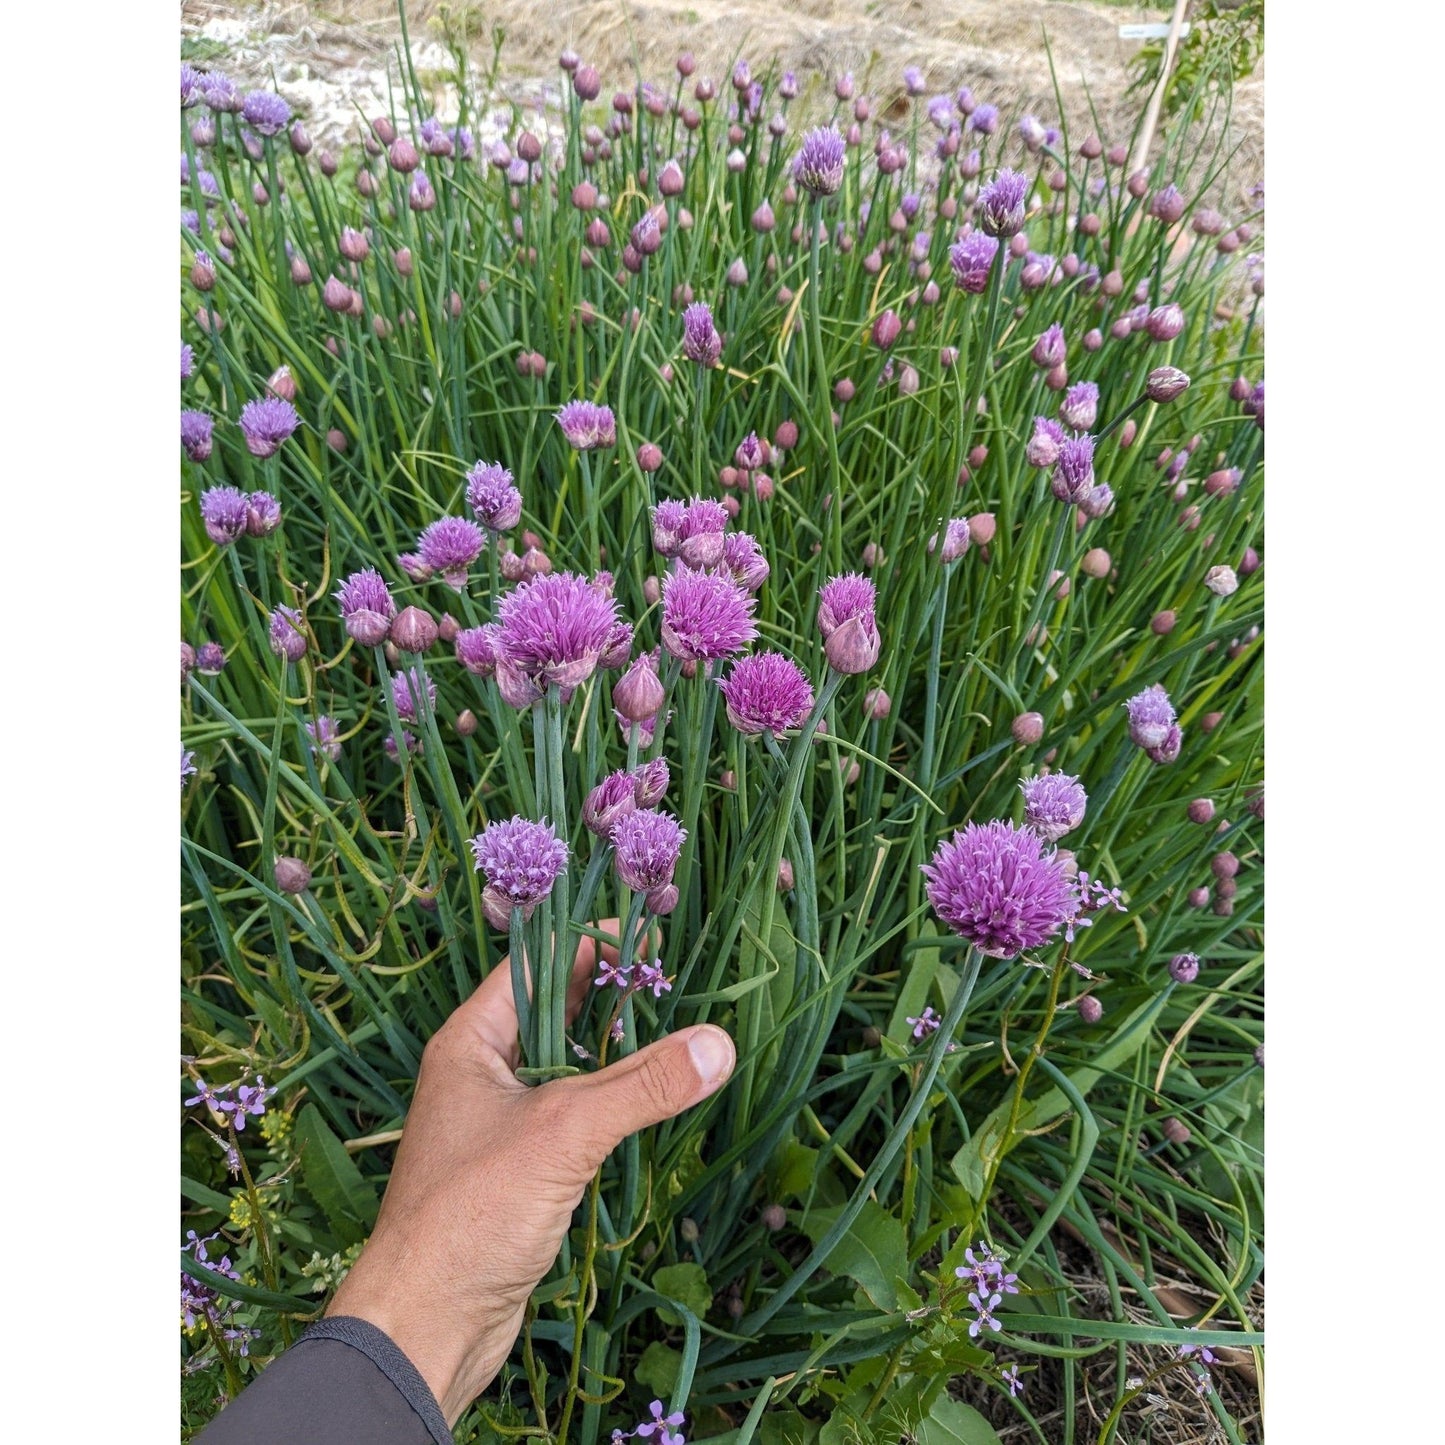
335, 62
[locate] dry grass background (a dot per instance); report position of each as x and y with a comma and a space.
330, 56
332, 61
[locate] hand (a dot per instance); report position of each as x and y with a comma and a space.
489, 1171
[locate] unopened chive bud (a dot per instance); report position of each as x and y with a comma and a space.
1162, 623
1221, 581
291, 875
1184, 967
1028, 729
1089, 1008
774, 1217
785, 875
1166, 382
1198, 897
1175, 1131
414, 630
1096, 562
466, 723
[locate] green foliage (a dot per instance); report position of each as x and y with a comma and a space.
1224, 44
890, 1155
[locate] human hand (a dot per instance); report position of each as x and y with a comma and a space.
489, 1171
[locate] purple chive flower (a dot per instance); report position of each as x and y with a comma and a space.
926, 1023
263, 514
1053, 805
450, 545
1080, 407
223, 510
646, 845
1151, 715
210, 659
1073, 475
406, 689
219, 91
1184, 967
196, 434
669, 517
188, 766
767, 692
520, 860
638, 694
367, 608
651, 781
846, 618
744, 559
555, 628
994, 885
476, 649
705, 616
1050, 349
266, 112
1043, 447
408, 744
818, 166
700, 340
972, 259
700, 541
1001, 203
956, 539
494, 501
325, 737
266, 423
612, 799
749, 452
1031, 131
587, 426
414, 567
190, 85
288, 637
984, 119
187, 361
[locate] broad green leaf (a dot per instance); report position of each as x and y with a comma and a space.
687, 1284
333, 1180
204, 1195
871, 1251
844, 1428
951, 1422
658, 1368
796, 1166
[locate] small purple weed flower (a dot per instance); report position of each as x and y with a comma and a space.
846, 618
767, 692
265, 112
266, 423
263, 514
926, 1023
700, 340
650, 975
705, 616
450, 545
288, 637
972, 260
196, 434
1053, 805
647, 844
1151, 715
744, 559
1205, 1355
1080, 407
555, 628
994, 885
188, 766
324, 735
1001, 202
406, 691
983, 1319
367, 608
1073, 475
223, 510
818, 166
1043, 448
661, 1426
495, 501
587, 426
1010, 1377
609, 973
520, 859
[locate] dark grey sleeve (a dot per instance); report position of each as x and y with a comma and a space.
342, 1383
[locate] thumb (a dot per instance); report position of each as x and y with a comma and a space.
600, 1110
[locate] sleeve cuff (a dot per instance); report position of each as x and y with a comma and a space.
383, 1352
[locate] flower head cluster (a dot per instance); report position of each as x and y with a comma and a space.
265, 112
1043, 447
200, 1301
700, 340
229, 513
367, 607
554, 629
705, 616
1053, 805
520, 860
983, 1269
1152, 724
1079, 409
1073, 475
621, 793
234, 1102
266, 423
744, 559
495, 501
647, 844
847, 620
972, 260
994, 885
587, 425
690, 531
818, 166
767, 693
450, 545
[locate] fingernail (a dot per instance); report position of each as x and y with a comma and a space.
712, 1053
